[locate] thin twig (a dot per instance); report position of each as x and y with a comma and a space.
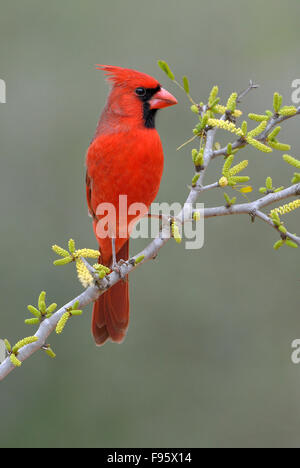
275, 120
246, 91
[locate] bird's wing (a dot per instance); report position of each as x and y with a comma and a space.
88, 182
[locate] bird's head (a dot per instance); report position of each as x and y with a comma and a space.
135, 95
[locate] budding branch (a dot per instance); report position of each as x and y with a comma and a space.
253, 209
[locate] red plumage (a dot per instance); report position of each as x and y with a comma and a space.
124, 158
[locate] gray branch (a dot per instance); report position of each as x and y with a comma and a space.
93, 292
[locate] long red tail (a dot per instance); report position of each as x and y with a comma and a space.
111, 311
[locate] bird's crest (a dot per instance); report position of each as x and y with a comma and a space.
126, 77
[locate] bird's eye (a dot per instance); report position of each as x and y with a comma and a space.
140, 91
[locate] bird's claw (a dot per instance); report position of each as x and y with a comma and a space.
117, 268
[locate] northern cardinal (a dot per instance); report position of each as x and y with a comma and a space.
125, 157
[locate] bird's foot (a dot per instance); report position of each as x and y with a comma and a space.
117, 268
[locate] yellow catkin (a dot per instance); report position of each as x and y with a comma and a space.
213, 94
176, 233
284, 209
258, 145
231, 103
90, 253
71, 245
50, 353
239, 167
15, 361
292, 161
83, 274
26, 341
222, 109
225, 125
60, 251
288, 111
223, 182
62, 322
258, 130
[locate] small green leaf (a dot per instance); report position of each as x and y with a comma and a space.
165, 68
186, 85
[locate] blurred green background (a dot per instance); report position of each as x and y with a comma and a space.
206, 362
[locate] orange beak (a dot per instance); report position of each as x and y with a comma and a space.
162, 99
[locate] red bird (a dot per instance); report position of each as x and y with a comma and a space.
125, 157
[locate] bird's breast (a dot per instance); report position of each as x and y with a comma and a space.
129, 163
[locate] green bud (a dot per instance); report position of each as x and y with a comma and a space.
296, 178
214, 103
195, 179
204, 121
102, 274
34, 311
42, 303
71, 245
195, 109
282, 229
51, 308
32, 321
244, 127
7, 345
194, 154
76, 312
63, 261
75, 305
269, 183
213, 95
139, 259
292, 244
50, 353
277, 102
274, 133
278, 244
